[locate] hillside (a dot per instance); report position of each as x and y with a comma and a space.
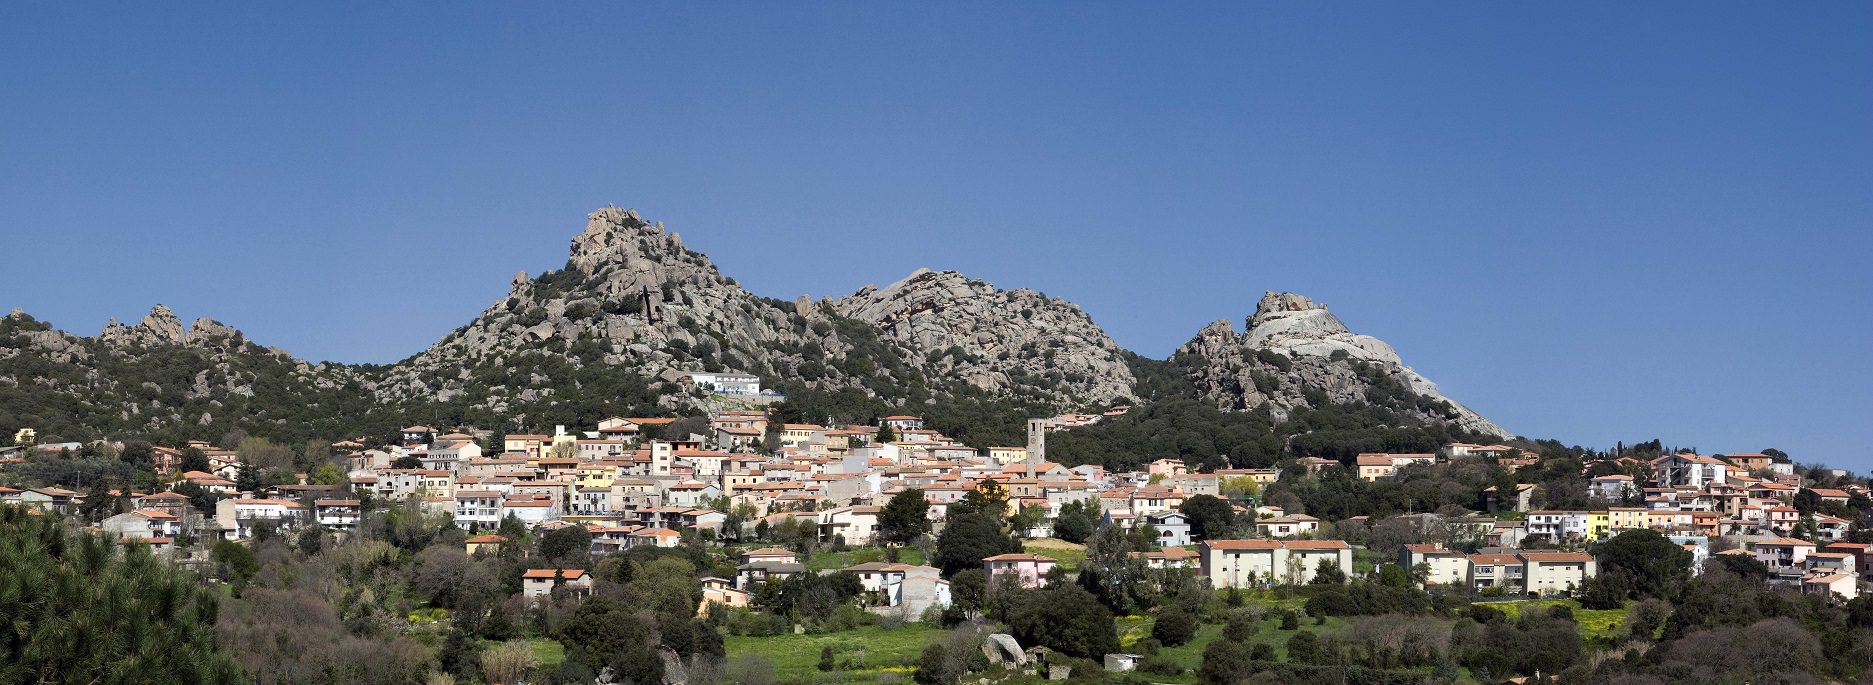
634, 307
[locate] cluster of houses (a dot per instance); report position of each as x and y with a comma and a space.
630, 483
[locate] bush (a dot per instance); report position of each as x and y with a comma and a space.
1290, 621
1174, 626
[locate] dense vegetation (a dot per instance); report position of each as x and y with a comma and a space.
82, 609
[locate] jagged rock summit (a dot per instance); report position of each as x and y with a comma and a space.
992, 338
1293, 345
635, 308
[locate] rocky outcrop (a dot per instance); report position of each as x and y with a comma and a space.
1296, 353
635, 307
994, 339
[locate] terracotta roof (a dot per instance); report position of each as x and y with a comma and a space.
486, 540
550, 573
1244, 544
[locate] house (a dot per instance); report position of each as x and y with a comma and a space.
1170, 557
1173, 528
1167, 468
1246, 563
655, 537
1691, 470
418, 434
720, 591
1613, 488
241, 516
537, 584
1028, 570
899, 424
1846, 585
1524, 498
338, 514
1287, 526
477, 509
488, 543
1505, 571
1783, 554
723, 383
1556, 572
1442, 566
856, 525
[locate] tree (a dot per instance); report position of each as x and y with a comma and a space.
969, 589
1328, 573
885, 434
1174, 626
407, 462
905, 517
968, 538
82, 609
1304, 648
1651, 564
1077, 520
1209, 516
194, 459
1066, 619
610, 634
247, 478
1225, 662
988, 497
138, 454
236, 559
567, 546
826, 662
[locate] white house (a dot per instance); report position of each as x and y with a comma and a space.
1245, 563
1173, 528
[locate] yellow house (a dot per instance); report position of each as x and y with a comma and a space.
1625, 518
597, 474
1599, 525
1008, 455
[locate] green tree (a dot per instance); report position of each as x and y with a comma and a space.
885, 434
1174, 626
1077, 520
905, 517
194, 459
1328, 573
138, 454
968, 538
407, 462
1209, 516
1651, 564
569, 546
236, 559
1225, 662
81, 609
1065, 619
969, 589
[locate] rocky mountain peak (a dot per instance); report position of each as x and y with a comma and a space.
1293, 343
159, 326
1008, 337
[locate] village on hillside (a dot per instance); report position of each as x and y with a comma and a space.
885, 519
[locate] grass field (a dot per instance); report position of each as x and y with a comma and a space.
1067, 554
874, 650
1594, 623
824, 560
549, 652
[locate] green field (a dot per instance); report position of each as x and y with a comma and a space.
826, 560
1067, 554
874, 650
1594, 623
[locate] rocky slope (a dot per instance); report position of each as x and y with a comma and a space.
634, 307
1295, 353
994, 339
158, 376
634, 300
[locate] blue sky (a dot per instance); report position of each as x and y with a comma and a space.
1596, 222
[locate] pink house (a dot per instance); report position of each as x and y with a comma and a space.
1168, 467
1031, 569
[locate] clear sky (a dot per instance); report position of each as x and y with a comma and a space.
1596, 222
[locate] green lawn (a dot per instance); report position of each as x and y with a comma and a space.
1594, 623
876, 650
825, 560
549, 652
1067, 554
